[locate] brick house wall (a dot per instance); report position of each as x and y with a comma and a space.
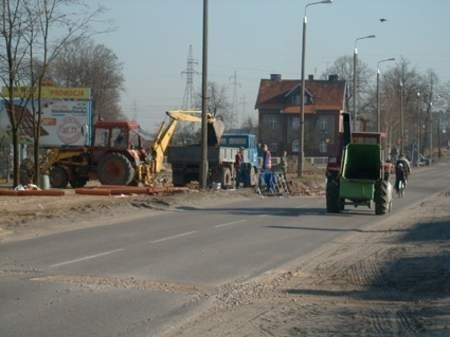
279, 116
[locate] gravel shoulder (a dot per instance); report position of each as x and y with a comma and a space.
388, 279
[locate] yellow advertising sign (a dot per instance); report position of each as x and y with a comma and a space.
52, 93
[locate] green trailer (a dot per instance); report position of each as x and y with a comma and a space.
361, 180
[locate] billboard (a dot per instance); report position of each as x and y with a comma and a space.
65, 120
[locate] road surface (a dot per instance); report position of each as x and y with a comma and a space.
140, 277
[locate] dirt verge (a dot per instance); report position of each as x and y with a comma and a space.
391, 279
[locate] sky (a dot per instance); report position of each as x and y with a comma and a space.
256, 38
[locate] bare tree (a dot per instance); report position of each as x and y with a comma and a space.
343, 67
13, 52
85, 63
218, 102
53, 24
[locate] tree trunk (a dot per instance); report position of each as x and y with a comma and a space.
15, 139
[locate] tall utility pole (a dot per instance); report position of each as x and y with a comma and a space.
243, 104
419, 125
430, 119
188, 98
235, 122
301, 130
402, 122
204, 144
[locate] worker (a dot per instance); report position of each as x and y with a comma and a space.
239, 166
406, 165
266, 175
400, 176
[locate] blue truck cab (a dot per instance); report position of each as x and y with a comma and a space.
245, 140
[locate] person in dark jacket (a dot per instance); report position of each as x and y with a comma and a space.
238, 166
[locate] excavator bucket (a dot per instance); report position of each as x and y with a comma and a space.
215, 126
215, 131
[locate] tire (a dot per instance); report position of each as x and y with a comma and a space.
381, 197
115, 169
334, 203
77, 181
178, 179
59, 177
226, 178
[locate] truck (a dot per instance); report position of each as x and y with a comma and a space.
358, 175
118, 154
222, 149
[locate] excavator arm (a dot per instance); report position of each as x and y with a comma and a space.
166, 131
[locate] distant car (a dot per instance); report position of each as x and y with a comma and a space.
423, 161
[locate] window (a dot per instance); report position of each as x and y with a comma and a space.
295, 123
323, 146
323, 122
101, 137
119, 138
271, 122
134, 140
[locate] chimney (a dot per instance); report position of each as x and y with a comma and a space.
311, 77
333, 77
275, 77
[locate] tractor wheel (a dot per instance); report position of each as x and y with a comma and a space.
115, 169
334, 203
58, 177
77, 181
178, 179
381, 197
226, 177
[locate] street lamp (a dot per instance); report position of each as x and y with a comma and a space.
402, 119
355, 62
418, 126
301, 145
378, 91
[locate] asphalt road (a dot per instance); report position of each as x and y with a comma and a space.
135, 278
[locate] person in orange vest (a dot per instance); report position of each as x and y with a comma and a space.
266, 175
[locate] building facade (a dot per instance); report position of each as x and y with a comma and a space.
278, 107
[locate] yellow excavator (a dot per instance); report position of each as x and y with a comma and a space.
117, 155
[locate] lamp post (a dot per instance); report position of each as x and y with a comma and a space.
378, 92
402, 120
419, 125
355, 63
301, 138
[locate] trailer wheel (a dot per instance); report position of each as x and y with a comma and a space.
178, 179
226, 177
58, 177
77, 181
115, 169
381, 197
334, 203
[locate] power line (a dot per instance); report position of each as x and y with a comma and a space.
234, 113
188, 98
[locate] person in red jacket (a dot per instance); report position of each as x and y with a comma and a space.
238, 166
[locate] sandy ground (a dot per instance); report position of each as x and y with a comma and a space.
389, 279
28, 217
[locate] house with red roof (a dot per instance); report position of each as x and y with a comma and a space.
278, 105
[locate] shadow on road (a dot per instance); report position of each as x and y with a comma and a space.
330, 229
273, 211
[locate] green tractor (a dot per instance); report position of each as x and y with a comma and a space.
359, 176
